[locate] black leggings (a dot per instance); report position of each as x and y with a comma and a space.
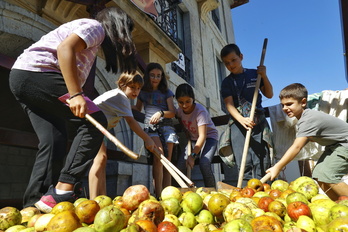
37, 93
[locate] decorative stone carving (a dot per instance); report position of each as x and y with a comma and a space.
206, 6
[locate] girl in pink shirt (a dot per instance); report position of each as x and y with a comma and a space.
202, 132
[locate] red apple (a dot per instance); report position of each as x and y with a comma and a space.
264, 202
297, 208
275, 193
166, 226
134, 195
247, 192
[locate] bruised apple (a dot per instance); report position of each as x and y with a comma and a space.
134, 195
256, 184
266, 223
247, 192
151, 210
65, 221
147, 225
280, 184
278, 208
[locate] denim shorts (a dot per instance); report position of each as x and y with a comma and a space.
332, 164
169, 134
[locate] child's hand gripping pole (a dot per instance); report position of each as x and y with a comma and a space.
174, 171
252, 112
102, 129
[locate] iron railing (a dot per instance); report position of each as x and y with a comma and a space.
167, 20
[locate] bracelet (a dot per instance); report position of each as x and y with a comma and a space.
194, 155
75, 95
162, 113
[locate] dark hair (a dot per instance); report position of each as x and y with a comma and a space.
162, 86
127, 79
184, 90
229, 49
118, 47
295, 90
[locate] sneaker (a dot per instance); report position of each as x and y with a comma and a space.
51, 198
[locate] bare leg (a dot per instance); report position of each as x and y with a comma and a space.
97, 174
334, 191
157, 169
167, 178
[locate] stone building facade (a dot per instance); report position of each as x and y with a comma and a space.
185, 38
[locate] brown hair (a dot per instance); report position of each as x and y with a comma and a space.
128, 78
295, 90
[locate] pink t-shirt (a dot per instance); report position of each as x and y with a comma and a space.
42, 55
198, 117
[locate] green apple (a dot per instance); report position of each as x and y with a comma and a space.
171, 191
296, 196
103, 200
238, 225
296, 183
321, 211
309, 189
171, 206
172, 218
205, 216
338, 224
192, 202
338, 210
306, 223
188, 220
183, 229
16, 228
280, 185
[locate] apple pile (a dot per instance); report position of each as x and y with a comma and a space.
278, 207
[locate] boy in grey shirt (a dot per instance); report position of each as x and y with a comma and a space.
326, 130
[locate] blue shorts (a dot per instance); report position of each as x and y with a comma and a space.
169, 134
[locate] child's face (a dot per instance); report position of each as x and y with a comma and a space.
293, 107
233, 62
186, 104
132, 91
155, 77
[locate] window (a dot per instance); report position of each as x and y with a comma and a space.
216, 17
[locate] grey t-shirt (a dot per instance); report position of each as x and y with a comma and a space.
322, 128
114, 104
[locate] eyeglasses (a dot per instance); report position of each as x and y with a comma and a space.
153, 76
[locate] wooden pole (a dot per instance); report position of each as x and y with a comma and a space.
252, 113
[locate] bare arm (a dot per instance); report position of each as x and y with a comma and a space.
202, 136
289, 155
66, 52
267, 88
134, 125
245, 122
170, 113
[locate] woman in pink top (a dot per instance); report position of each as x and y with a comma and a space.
202, 131
57, 64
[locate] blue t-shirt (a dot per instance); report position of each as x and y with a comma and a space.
154, 101
242, 84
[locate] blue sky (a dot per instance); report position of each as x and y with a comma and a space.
305, 42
